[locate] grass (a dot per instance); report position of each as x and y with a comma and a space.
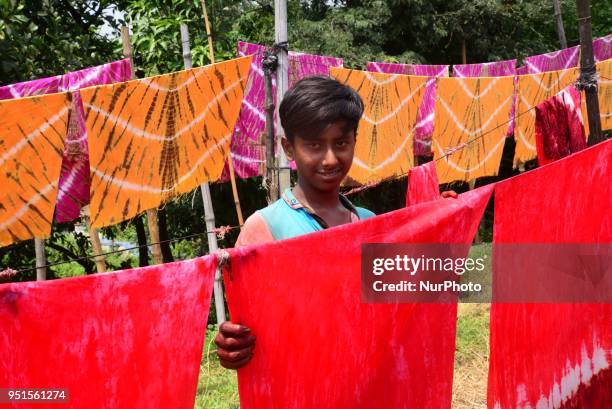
218, 388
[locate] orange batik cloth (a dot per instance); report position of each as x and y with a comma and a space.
604, 71
534, 89
386, 129
32, 133
470, 126
158, 137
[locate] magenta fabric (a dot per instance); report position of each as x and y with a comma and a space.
487, 69
602, 48
423, 184
559, 126
557, 60
74, 182
491, 69
425, 116
247, 153
127, 339
31, 88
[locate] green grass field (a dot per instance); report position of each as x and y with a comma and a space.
218, 388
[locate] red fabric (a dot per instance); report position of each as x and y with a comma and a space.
554, 355
130, 339
559, 126
422, 184
318, 345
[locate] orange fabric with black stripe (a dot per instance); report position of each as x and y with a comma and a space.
470, 126
604, 71
386, 129
158, 137
32, 134
532, 90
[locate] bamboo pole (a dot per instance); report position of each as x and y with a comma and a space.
588, 74
269, 66
230, 161
559, 20
463, 52
209, 214
282, 84
41, 260
151, 213
96, 243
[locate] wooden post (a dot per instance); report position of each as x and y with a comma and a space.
559, 19
41, 260
588, 75
282, 84
209, 213
269, 66
151, 213
211, 53
96, 244
463, 52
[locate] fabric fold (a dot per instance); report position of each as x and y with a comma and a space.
422, 184
559, 126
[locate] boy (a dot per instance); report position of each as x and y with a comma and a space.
320, 118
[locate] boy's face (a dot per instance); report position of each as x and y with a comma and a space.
323, 160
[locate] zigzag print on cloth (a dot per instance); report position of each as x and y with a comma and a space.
425, 116
386, 129
467, 109
532, 90
491, 69
32, 133
158, 137
248, 146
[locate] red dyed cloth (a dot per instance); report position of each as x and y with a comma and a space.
554, 355
559, 126
130, 339
318, 345
422, 184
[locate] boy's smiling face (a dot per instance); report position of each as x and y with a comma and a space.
322, 160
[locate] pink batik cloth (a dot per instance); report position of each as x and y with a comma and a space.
552, 355
425, 116
318, 344
248, 145
602, 48
559, 126
126, 339
74, 181
423, 184
491, 69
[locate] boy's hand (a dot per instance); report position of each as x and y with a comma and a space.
449, 194
235, 345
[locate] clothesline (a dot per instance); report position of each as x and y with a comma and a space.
218, 230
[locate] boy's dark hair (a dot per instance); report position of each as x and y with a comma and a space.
314, 103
